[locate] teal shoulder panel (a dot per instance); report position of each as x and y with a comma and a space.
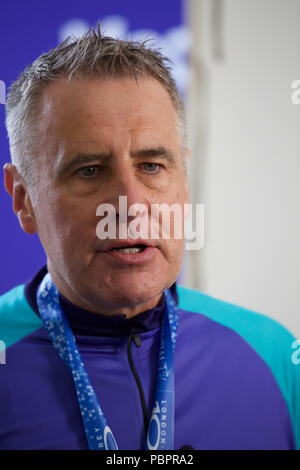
272, 341
17, 319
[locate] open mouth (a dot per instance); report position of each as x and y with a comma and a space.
130, 249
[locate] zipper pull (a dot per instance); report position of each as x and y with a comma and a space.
136, 338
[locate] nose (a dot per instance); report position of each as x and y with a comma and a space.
125, 182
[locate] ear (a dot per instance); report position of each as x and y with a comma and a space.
17, 188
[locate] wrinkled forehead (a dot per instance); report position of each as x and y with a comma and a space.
110, 116
71, 108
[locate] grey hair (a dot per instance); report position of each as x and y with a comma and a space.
92, 55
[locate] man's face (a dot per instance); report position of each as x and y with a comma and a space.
126, 136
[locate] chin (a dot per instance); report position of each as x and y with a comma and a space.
130, 297
131, 294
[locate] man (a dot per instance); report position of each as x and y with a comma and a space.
151, 364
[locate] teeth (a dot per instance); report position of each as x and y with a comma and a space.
132, 250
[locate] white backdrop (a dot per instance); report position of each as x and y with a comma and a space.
244, 133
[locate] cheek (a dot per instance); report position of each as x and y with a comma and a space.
177, 191
75, 211
64, 222
174, 257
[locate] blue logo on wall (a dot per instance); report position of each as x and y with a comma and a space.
174, 42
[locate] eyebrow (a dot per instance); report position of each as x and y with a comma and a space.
160, 152
83, 158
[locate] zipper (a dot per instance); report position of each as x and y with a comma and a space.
137, 341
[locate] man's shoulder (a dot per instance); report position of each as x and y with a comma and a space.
267, 336
244, 321
272, 341
17, 319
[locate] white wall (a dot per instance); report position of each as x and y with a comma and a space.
245, 163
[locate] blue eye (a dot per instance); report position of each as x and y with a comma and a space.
88, 171
150, 167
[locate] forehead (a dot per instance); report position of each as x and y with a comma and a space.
105, 110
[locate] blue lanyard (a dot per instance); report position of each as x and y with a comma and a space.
99, 435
